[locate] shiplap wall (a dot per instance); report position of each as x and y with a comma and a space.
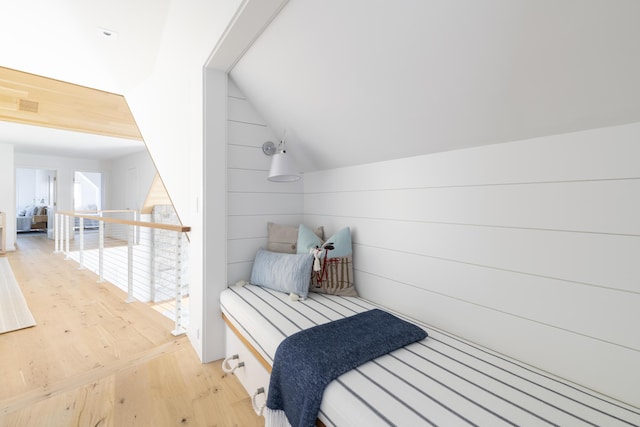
252, 199
531, 248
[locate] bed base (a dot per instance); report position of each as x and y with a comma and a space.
251, 369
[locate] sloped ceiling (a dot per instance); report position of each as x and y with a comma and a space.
361, 81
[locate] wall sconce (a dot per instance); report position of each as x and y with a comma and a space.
282, 167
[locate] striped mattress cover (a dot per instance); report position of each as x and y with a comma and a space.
442, 380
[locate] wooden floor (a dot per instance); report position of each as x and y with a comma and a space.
94, 360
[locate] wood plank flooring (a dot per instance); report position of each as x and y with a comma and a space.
94, 360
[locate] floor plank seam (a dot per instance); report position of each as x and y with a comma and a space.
47, 391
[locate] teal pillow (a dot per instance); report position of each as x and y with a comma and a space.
341, 240
282, 272
307, 240
333, 272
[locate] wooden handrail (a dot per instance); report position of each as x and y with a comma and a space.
103, 211
83, 214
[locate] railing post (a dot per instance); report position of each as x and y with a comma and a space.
60, 232
179, 330
170, 275
130, 297
137, 232
66, 224
56, 237
81, 252
152, 265
100, 251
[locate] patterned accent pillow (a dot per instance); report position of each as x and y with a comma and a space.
335, 273
335, 277
284, 238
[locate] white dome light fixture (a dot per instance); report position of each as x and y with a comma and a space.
282, 168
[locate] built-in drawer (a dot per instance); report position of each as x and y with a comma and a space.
253, 375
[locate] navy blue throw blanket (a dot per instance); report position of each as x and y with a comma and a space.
306, 362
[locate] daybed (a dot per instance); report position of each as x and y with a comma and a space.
438, 380
441, 380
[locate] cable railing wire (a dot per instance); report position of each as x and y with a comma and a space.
143, 255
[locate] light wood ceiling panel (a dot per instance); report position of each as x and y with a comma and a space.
35, 100
157, 195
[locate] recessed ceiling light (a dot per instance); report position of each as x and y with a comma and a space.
105, 33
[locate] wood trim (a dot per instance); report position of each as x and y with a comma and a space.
257, 355
71, 383
170, 227
105, 211
247, 344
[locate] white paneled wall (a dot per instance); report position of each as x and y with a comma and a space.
8, 193
252, 199
531, 248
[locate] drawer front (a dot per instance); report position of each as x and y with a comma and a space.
252, 375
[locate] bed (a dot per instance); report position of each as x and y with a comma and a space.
442, 380
23, 223
32, 218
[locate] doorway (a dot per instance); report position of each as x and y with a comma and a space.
35, 200
87, 191
87, 195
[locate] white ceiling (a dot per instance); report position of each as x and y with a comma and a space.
357, 81
369, 80
62, 143
63, 40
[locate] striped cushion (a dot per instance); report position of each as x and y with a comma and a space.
442, 380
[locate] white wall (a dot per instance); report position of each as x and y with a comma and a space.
65, 168
168, 108
32, 187
207, 329
8, 193
114, 175
252, 199
118, 182
530, 247
42, 185
91, 193
25, 187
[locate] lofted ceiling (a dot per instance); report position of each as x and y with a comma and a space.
30, 103
359, 81
362, 81
66, 41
